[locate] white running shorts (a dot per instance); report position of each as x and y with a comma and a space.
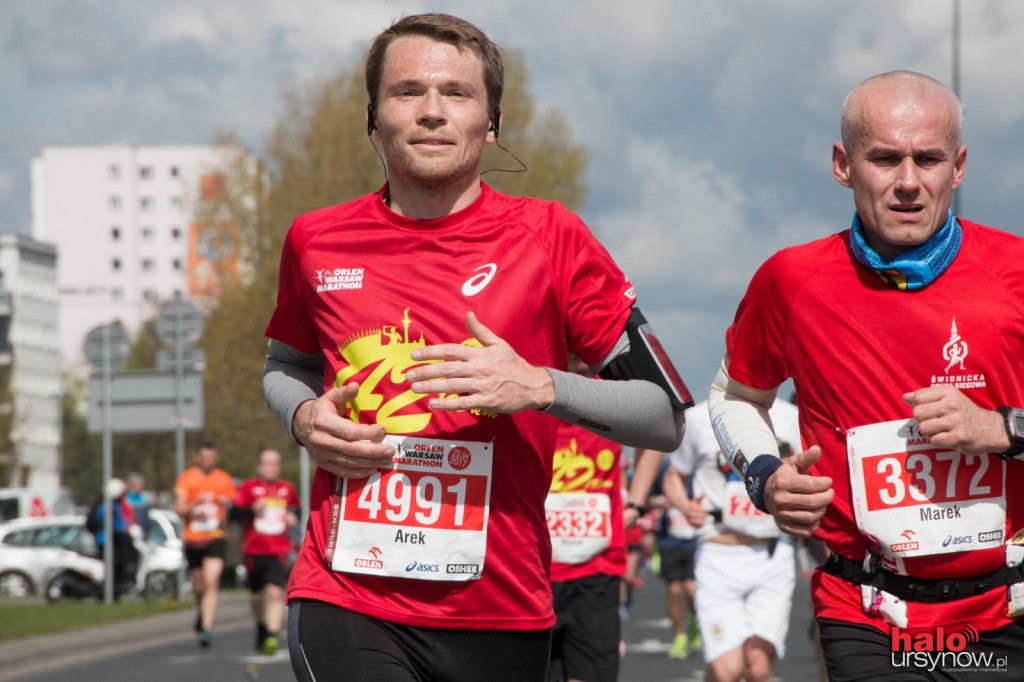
742, 591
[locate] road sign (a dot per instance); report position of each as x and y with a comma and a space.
179, 316
192, 359
119, 346
144, 401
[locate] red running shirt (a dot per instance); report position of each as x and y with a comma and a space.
266, 530
366, 286
587, 468
853, 346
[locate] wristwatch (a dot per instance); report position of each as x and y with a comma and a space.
1013, 421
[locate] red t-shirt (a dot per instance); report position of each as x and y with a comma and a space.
853, 346
266, 529
366, 287
586, 468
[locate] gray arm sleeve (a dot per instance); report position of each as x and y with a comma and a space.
290, 378
635, 413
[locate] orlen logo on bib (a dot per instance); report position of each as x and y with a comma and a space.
459, 458
903, 547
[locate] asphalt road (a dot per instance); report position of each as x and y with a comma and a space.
163, 648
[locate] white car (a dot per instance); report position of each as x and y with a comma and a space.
24, 571
160, 558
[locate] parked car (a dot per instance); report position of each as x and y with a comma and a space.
67, 531
24, 571
165, 528
159, 558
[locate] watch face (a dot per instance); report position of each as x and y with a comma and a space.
1018, 422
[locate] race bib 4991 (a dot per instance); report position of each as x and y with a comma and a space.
424, 518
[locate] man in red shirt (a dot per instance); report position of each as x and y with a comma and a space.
419, 350
269, 508
902, 336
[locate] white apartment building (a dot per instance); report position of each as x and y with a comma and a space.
29, 357
121, 217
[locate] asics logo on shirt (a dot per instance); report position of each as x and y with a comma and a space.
475, 284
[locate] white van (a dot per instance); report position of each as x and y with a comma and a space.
16, 503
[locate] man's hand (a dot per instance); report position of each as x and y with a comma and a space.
951, 420
695, 512
796, 499
492, 377
337, 444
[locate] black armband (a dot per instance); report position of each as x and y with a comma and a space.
647, 360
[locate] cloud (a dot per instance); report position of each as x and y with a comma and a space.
72, 42
709, 123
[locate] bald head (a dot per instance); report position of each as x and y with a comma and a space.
270, 465
898, 90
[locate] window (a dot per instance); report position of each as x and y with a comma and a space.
115, 234
146, 172
174, 171
149, 295
148, 265
116, 294
147, 234
147, 203
177, 203
115, 203
115, 264
114, 172
176, 265
175, 233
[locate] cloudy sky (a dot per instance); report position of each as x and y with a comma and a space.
709, 122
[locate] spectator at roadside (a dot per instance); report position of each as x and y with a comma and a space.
139, 500
124, 525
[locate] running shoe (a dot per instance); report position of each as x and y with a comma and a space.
205, 639
679, 647
270, 646
696, 643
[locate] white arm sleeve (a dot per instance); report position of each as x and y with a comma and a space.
740, 418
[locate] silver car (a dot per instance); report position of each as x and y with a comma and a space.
51, 538
24, 571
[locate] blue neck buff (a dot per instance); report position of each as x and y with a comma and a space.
914, 269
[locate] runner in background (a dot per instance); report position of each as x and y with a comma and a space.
676, 545
269, 508
202, 496
745, 568
584, 512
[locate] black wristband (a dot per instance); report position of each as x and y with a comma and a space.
640, 509
756, 476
